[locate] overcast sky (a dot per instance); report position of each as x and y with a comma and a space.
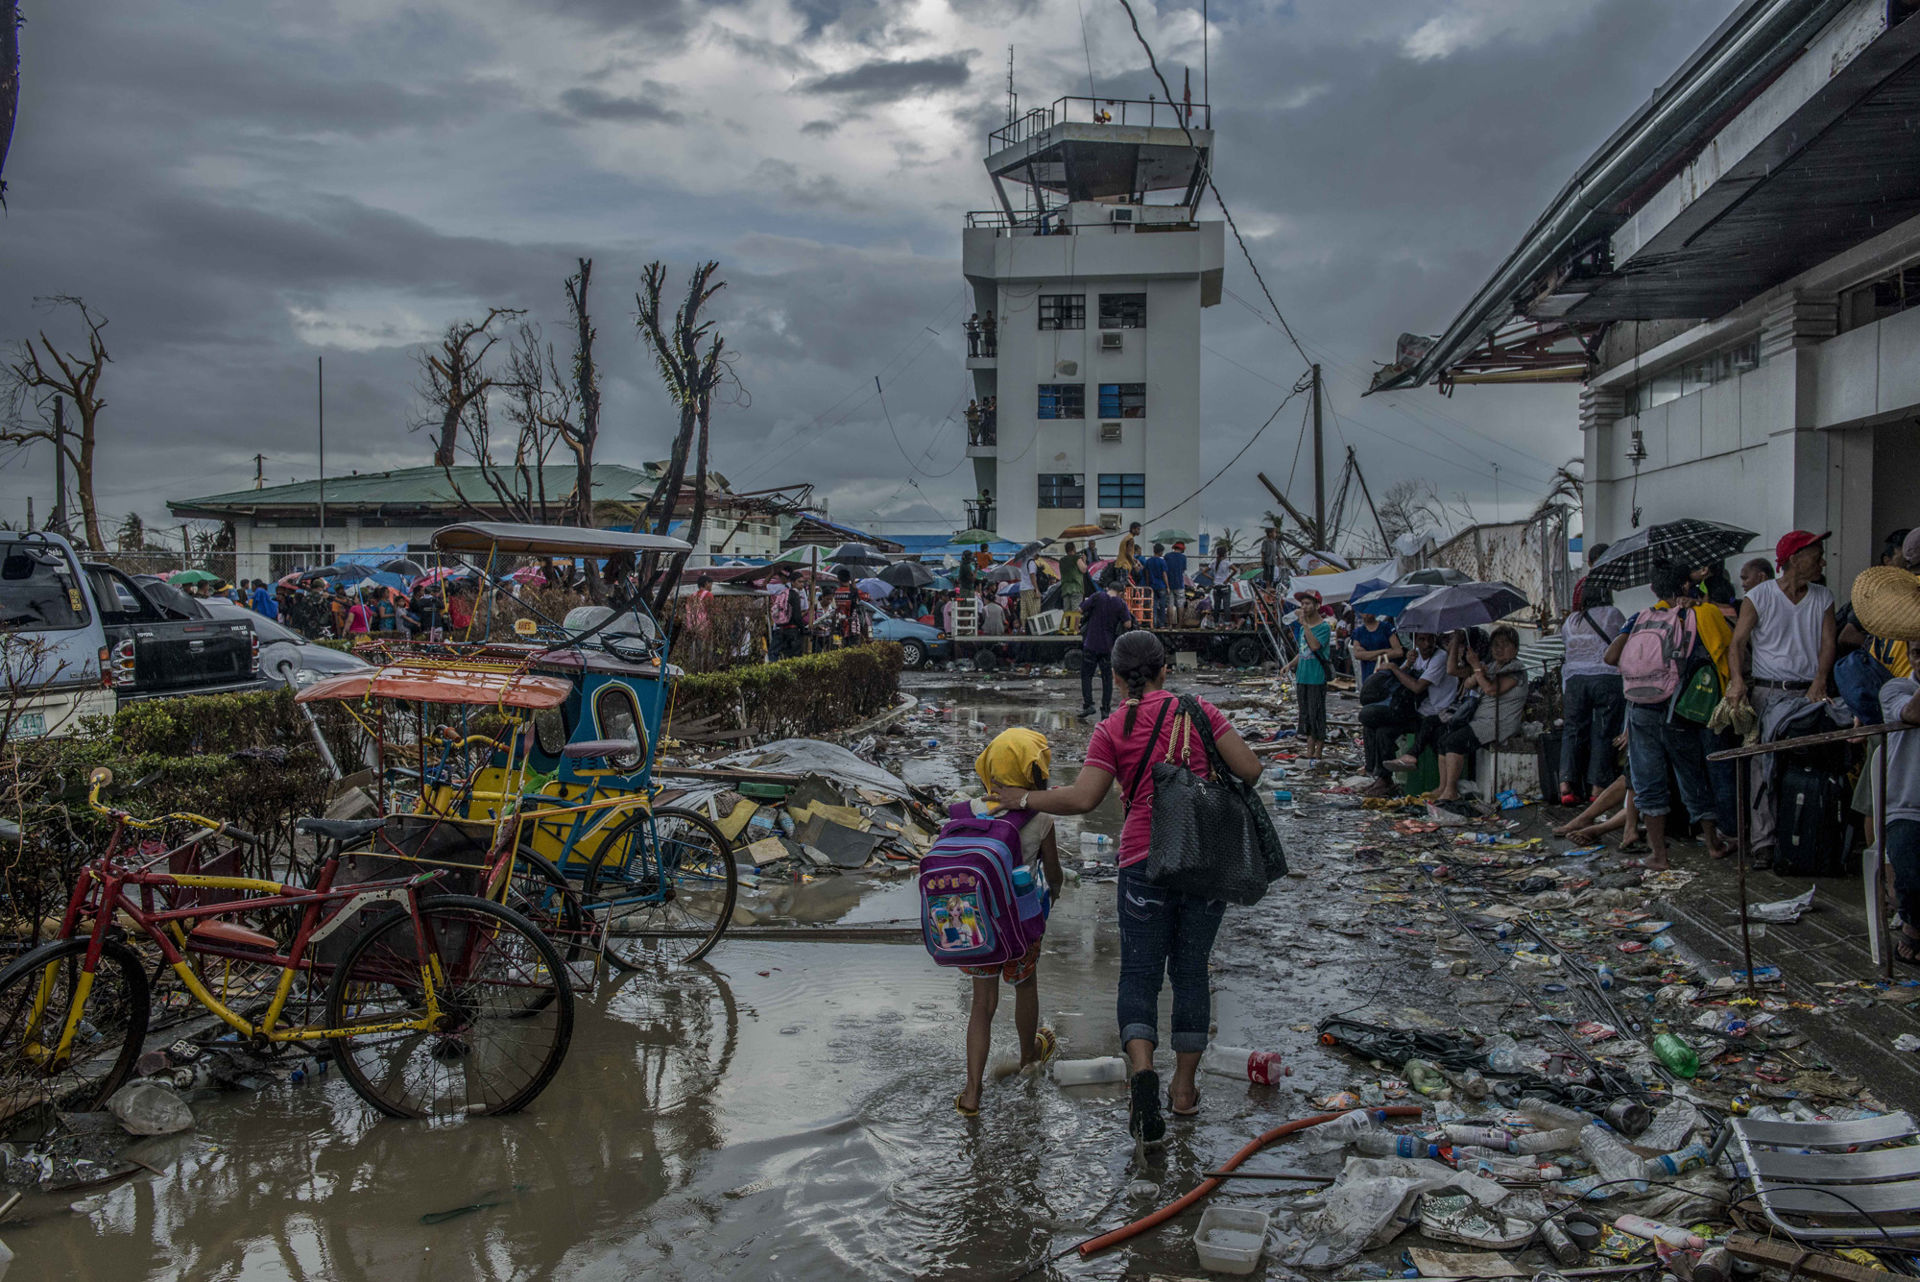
244, 185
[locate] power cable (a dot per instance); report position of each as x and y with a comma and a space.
1304, 384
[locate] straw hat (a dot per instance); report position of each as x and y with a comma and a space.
1886, 599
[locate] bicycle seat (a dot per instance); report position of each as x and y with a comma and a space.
600, 748
341, 830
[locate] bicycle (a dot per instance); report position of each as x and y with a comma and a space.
435, 1005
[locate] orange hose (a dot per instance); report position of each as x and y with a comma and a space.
1205, 1187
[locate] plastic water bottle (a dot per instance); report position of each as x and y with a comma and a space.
1385, 1144
1558, 1141
1676, 1055
1655, 1231
1503, 1055
1667, 1165
1090, 1072
1610, 1157
1490, 1137
1564, 1248
1095, 843
1606, 977
1262, 1068
1022, 880
1360, 1121
1282, 797
1541, 1109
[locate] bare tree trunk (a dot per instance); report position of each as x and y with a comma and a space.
587, 391
9, 81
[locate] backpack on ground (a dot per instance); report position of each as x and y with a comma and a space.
971, 912
1654, 659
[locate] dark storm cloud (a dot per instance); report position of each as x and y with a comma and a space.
239, 190
890, 81
585, 103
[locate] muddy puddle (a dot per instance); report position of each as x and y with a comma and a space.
782, 1111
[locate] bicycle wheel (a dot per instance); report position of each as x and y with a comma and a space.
542, 894
37, 996
505, 1011
665, 882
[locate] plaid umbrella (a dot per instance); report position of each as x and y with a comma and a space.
1465, 605
1692, 543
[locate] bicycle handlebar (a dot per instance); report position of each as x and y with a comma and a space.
451, 737
101, 777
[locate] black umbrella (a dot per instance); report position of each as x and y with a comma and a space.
402, 565
855, 554
1464, 605
1000, 574
1691, 543
906, 574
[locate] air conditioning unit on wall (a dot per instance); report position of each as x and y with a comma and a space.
1110, 340
1122, 215
1109, 433
1109, 520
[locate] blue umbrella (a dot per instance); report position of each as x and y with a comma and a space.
1390, 601
1466, 605
878, 589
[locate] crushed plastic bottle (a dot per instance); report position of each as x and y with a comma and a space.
1606, 977
149, 1107
1488, 1136
1555, 1141
1090, 1072
1358, 1121
1667, 1166
1262, 1068
1385, 1144
1676, 1055
1610, 1157
1503, 1055
1095, 843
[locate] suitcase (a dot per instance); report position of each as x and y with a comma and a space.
1814, 829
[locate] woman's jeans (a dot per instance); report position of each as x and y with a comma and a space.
1594, 707
1163, 932
1653, 745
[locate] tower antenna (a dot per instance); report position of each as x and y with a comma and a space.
1013, 99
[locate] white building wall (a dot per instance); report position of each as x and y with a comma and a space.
1820, 436
1010, 274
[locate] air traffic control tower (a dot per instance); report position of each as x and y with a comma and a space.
1095, 293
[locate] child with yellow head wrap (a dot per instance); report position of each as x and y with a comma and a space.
1018, 758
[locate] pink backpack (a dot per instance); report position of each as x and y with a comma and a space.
971, 913
1655, 655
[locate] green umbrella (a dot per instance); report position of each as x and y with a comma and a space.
802, 555
192, 576
976, 537
1173, 536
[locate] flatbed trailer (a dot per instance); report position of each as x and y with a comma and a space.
1232, 647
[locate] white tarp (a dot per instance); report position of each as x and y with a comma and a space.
1338, 587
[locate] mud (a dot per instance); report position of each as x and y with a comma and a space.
784, 1111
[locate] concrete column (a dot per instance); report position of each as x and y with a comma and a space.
1800, 493
1603, 512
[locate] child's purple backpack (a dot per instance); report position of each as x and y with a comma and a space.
971, 913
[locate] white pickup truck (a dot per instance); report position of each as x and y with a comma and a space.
76, 639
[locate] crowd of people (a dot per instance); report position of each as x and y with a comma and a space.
319, 608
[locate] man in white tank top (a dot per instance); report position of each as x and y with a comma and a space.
1789, 624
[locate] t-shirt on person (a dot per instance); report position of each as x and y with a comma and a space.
1786, 641
1442, 688
1586, 643
1111, 749
1903, 751
1499, 716
1310, 670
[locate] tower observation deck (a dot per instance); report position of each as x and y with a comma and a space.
1088, 292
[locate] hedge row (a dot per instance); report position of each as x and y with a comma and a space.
814, 695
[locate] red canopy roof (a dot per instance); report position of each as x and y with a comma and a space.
442, 685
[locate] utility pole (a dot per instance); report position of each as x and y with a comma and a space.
57, 521
1319, 472
320, 407
259, 472
1386, 543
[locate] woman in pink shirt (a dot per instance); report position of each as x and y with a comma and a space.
359, 618
1163, 933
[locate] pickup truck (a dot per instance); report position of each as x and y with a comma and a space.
76, 639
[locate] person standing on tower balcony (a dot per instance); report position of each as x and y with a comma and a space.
973, 422
973, 335
989, 335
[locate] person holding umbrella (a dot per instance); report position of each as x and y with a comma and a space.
1073, 579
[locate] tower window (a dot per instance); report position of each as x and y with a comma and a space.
1063, 400
1123, 400
1123, 311
1063, 311
1123, 489
1063, 489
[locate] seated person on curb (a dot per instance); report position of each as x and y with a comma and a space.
1425, 674
1502, 686
1887, 600
1374, 639
1020, 758
1657, 739
1594, 822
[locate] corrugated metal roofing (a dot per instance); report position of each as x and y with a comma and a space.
410, 487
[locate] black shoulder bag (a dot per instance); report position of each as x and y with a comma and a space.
1212, 838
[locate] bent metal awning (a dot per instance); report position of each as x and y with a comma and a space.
419, 684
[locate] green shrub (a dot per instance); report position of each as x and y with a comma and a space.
814, 695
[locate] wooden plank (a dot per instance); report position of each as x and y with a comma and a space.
1801, 1261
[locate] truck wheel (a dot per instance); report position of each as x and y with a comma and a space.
913, 653
1245, 652
985, 660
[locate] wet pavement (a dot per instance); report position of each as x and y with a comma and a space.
785, 1109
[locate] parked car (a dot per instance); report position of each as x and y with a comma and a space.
921, 643
76, 639
286, 657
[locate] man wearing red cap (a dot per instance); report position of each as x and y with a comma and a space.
1789, 624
